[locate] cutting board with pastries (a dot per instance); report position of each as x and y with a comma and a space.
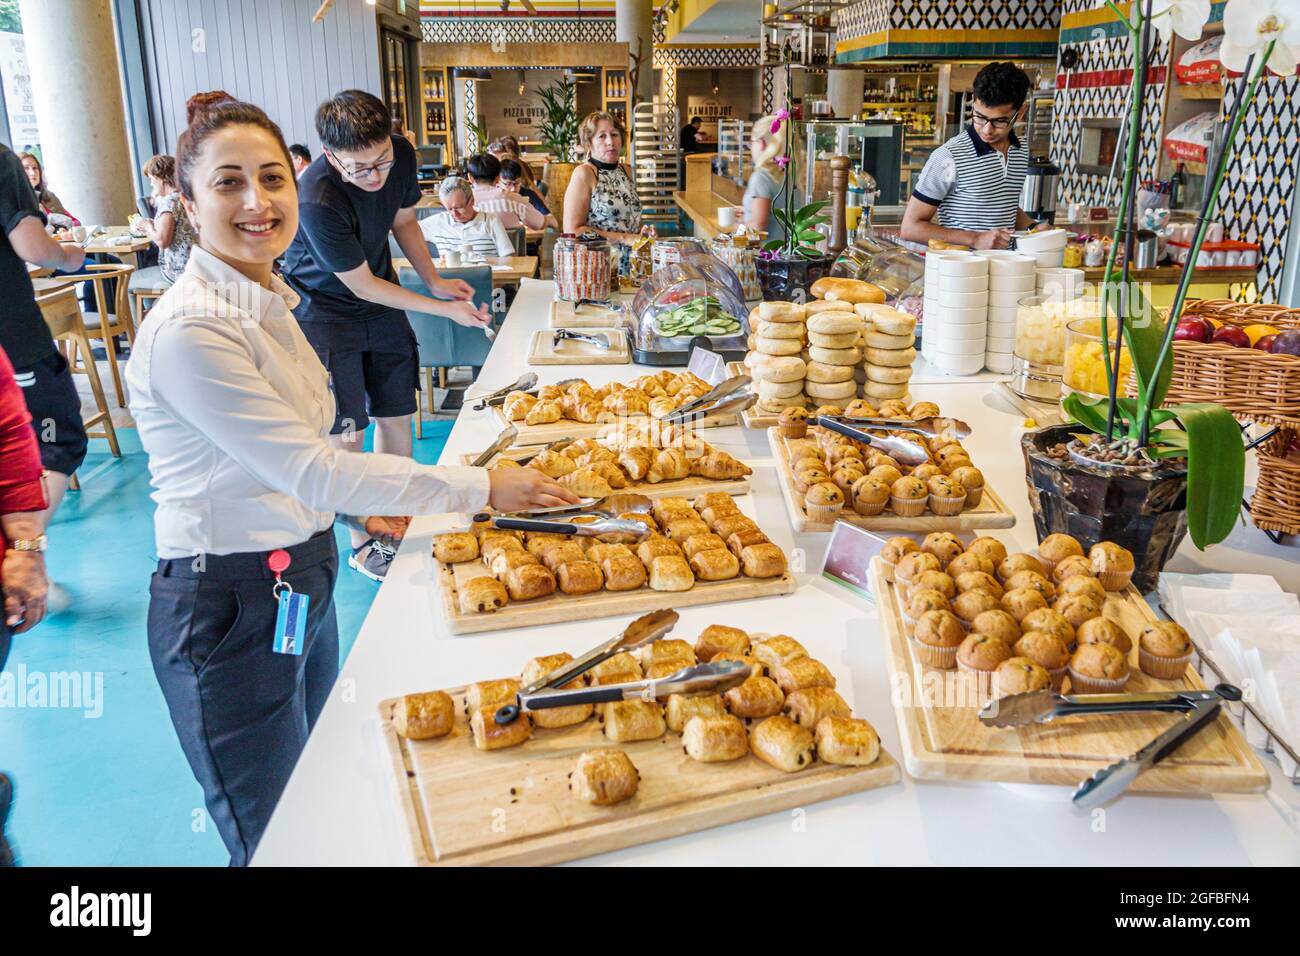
577, 409
701, 552
659, 759
843, 344
965, 623
658, 462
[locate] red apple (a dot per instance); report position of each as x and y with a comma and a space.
1194, 329
1286, 343
1265, 343
1231, 335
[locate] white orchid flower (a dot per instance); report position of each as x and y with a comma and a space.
1187, 18
1249, 26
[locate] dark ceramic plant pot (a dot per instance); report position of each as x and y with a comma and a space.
781, 278
1141, 509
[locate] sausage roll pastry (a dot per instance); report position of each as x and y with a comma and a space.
716, 565
580, 577
671, 573
554, 717
755, 665
719, 639
783, 744
802, 672
702, 542
481, 594
507, 561
455, 548
598, 551
627, 720
620, 663
778, 650
539, 542
658, 547
562, 553
844, 740
490, 693
715, 739
740, 540
809, 705
682, 528
681, 708
757, 697
763, 561
623, 573
530, 581
604, 777
543, 413
489, 735
422, 716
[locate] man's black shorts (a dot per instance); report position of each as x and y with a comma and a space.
373, 364
55, 406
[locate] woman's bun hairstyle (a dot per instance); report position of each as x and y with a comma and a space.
202, 102
208, 113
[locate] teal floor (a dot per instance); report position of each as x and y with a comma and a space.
114, 789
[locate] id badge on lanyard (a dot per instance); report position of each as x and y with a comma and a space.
291, 615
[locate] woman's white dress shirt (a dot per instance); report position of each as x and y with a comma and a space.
234, 410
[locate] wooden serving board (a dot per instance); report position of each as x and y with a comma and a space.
685, 487
545, 351
991, 512
755, 417
949, 742
558, 608
468, 807
565, 316
565, 428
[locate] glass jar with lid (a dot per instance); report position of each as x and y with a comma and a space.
1084, 364
582, 268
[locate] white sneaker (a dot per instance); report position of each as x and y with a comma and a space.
378, 558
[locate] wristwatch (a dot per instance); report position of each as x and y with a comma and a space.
37, 543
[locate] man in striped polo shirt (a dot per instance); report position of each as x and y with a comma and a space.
969, 190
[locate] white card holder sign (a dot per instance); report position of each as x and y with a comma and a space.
849, 555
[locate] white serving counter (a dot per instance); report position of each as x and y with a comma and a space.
340, 807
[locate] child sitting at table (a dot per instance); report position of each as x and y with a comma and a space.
170, 228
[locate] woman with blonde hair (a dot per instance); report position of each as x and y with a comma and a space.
766, 143
601, 197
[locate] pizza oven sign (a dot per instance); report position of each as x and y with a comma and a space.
522, 112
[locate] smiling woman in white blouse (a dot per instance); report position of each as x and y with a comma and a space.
234, 410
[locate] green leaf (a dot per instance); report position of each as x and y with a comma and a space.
1088, 412
809, 235
1216, 471
1144, 332
773, 244
811, 209
1170, 438
808, 252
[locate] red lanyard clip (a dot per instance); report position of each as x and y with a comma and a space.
278, 561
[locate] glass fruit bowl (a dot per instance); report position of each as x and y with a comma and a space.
1084, 367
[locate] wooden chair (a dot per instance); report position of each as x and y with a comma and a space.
62, 314
99, 274
145, 287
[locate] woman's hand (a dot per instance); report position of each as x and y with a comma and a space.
387, 530
25, 589
452, 289
522, 489
467, 314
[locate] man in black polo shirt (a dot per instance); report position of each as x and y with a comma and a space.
360, 188
39, 367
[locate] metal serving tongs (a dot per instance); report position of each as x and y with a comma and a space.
692, 679
503, 441
611, 506
559, 525
936, 427
525, 383
900, 449
599, 341
1198, 707
724, 397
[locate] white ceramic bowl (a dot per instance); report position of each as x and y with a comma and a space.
958, 364
1001, 330
956, 316
1050, 260
1048, 240
963, 300
962, 283
1006, 313
1002, 343
950, 265
1012, 283
1000, 362
1008, 299
1061, 275
942, 333
1004, 262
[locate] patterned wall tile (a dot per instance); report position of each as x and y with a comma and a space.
444, 29
975, 15
679, 56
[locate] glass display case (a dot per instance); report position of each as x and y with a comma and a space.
696, 275
734, 161
897, 270
816, 142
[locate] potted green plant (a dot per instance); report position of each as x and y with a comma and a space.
1129, 469
788, 266
559, 134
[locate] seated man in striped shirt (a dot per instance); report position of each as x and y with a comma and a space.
484, 169
969, 191
463, 227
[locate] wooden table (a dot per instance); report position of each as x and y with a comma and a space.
702, 209
518, 267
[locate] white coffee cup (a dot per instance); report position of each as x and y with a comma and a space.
451, 258
78, 233
726, 217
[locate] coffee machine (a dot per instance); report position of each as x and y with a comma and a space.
1038, 194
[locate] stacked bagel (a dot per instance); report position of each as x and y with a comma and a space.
888, 351
776, 359
834, 353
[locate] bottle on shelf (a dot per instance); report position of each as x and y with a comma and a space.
1177, 187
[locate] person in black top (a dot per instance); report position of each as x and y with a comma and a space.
691, 135
39, 367
360, 188
514, 180
300, 156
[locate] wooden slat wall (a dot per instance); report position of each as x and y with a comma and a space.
265, 51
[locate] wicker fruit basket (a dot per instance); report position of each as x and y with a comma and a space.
1275, 505
1249, 383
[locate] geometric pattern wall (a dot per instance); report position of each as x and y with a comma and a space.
709, 56
442, 29
874, 16
862, 19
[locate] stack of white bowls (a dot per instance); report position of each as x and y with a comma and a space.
1060, 283
1047, 247
1011, 278
956, 311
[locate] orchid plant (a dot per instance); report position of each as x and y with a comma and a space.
1258, 34
800, 224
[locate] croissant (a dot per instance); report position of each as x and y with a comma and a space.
636, 461
719, 466
596, 456
587, 484
611, 473
670, 464
628, 402
517, 405
553, 464
577, 449
550, 393
580, 387
659, 407
543, 413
